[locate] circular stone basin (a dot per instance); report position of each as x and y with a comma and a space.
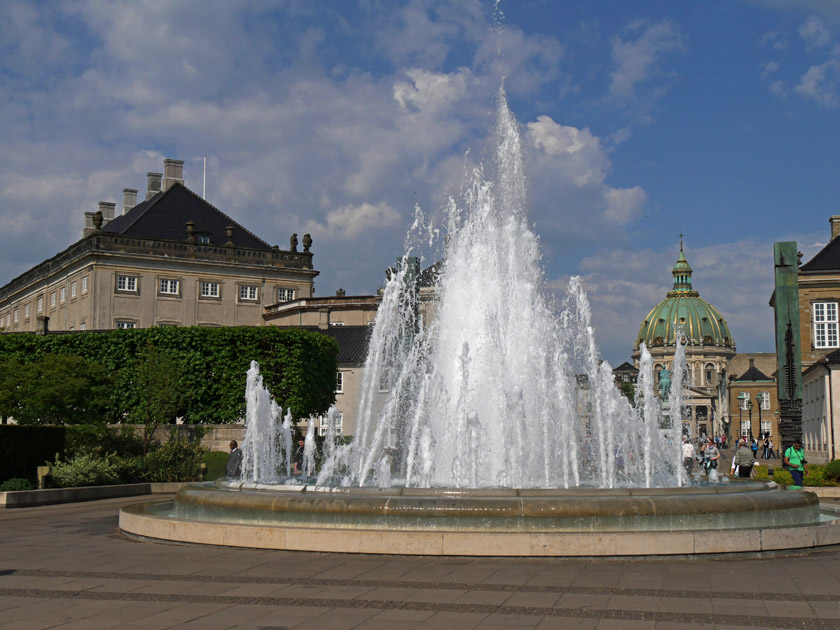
736, 517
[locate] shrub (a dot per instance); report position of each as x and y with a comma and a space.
176, 460
761, 472
831, 471
216, 461
83, 470
782, 477
15, 484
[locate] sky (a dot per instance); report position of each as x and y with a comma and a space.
641, 121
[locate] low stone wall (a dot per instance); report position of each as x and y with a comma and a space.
216, 437
31, 498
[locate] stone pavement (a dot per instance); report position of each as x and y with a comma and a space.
67, 566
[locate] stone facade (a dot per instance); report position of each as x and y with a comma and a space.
753, 396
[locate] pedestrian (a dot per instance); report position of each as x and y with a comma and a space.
755, 448
770, 451
711, 455
796, 463
233, 469
766, 447
744, 459
688, 454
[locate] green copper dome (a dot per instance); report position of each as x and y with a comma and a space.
701, 322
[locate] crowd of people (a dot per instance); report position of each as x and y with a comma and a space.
707, 454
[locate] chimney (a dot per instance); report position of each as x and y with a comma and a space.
173, 172
154, 184
835, 226
752, 363
88, 229
129, 199
107, 209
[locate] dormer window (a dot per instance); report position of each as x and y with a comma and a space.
204, 238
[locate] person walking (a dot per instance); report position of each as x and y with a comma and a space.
711, 455
744, 460
688, 454
796, 464
765, 446
770, 452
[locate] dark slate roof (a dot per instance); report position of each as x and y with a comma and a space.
626, 367
352, 341
827, 259
833, 357
753, 374
165, 217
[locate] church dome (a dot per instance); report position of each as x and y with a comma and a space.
702, 323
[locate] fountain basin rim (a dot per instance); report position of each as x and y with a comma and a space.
144, 521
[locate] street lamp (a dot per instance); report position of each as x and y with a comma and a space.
741, 398
749, 409
760, 398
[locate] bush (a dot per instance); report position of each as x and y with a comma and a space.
782, 477
761, 472
15, 484
216, 462
83, 470
831, 471
176, 460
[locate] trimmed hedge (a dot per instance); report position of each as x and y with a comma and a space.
24, 448
297, 366
216, 462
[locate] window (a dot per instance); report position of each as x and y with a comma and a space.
745, 428
62, 295
339, 383
40, 304
764, 399
16, 316
339, 424
710, 374
765, 427
210, 289
285, 295
122, 324
203, 238
52, 299
26, 311
248, 293
73, 289
82, 326
127, 283
825, 324
84, 284
744, 397
168, 287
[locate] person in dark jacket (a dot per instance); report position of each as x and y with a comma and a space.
234, 462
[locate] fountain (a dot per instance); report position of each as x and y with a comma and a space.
492, 427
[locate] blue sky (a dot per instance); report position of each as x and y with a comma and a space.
641, 120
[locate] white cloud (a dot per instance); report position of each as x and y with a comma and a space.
815, 32
431, 91
353, 221
821, 83
638, 58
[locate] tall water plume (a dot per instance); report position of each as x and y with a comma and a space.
499, 387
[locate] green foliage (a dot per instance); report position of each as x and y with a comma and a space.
782, 477
215, 461
176, 460
24, 448
761, 472
16, 484
831, 471
82, 470
100, 440
298, 367
629, 392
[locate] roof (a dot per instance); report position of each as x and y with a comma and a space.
352, 341
827, 259
165, 217
626, 367
753, 374
429, 276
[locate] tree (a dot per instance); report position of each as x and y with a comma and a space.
629, 391
63, 389
11, 388
158, 397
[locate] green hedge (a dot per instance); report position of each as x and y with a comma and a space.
24, 448
216, 462
297, 366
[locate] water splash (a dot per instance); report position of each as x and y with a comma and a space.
498, 387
